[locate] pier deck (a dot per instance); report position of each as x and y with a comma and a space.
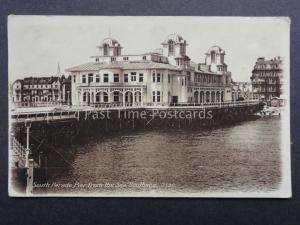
63, 112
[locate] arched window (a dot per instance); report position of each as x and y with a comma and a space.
196, 97
213, 57
105, 49
171, 47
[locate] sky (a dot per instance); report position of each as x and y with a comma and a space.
36, 44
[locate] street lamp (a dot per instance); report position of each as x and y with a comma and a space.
27, 150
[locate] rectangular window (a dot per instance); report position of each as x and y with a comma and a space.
91, 76
125, 78
158, 96
153, 77
116, 77
125, 58
116, 97
158, 78
74, 78
133, 76
105, 78
83, 78
141, 77
113, 59
144, 57
169, 78
153, 96
97, 98
105, 98
97, 78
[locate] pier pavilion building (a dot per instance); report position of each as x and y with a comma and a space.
161, 77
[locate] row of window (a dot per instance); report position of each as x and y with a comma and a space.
116, 78
40, 86
116, 97
262, 89
267, 81
207, 78
45, 97
125, 58
156, 78
40, 91
267, 74
266, 66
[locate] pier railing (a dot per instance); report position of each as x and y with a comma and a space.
72, 112
38, 104
207, 104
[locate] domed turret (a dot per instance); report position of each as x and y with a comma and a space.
110, 47
175, 46
215, 59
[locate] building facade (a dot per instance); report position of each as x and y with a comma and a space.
42, 90
164, 76
242, 91
267, 78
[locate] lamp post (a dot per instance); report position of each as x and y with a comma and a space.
29, 164
27, 150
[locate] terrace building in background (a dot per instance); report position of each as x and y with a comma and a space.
267, 78
242, 91
163, 76
41, 90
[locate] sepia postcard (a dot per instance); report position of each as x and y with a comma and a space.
124, 106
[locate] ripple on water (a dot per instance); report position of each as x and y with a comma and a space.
243, 157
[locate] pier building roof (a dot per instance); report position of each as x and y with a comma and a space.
135, 65
43, 80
